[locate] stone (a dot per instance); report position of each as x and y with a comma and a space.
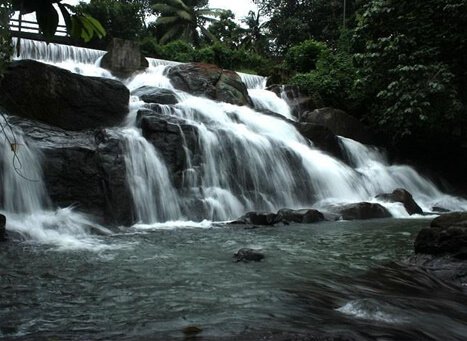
450, 219
403, 196
123, 57
303, 216
298, 102
258, 218
152, 94
85, 169
61, 98
3, 236
340, 123
211, 82
322, 137
248, 255
362, 211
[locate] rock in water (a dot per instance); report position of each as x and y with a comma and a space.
211, 82
361, 211
447, 235
304, 216
61, 98
403, 196
2, 228
247, 255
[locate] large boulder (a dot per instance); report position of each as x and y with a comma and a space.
123, 57
211, 82
175, 140
248, 255
85, 169
361, 211
339, 122
447, 235
258, 218
403, 196
61, 98
303, 216
322, 137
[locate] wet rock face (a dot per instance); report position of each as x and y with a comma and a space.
3, 236
340, 123
305, 216
362, 211
211, 82
248, 255
85, 169
322, 137
447, 235
61, 98
403, 196
152, 94
123, 57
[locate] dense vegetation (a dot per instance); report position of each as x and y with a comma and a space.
399, 66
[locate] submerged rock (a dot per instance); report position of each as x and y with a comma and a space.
361, 211
403, 196
258, 218
211, 82
247, 255
304, 216
447, 235
3, 236
61, 98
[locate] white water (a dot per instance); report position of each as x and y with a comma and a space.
248, 160
26, 203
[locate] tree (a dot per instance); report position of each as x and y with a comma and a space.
255, 37
181, 19
226, 30
121, 19
412, 69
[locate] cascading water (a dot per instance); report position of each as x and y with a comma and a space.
247, 160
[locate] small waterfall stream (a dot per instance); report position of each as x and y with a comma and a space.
248, 160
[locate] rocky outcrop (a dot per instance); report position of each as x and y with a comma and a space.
61, 98
361, 211
298, 102
340, 123
447, 235
123, 57
3, 236
403, 196
304, 216
152, 94
175, 140
248, 255
322, 137
85, 169
211, 82
258, 218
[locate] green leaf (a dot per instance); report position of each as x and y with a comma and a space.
97, 27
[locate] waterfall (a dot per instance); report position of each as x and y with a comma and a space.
244, 159
154, 197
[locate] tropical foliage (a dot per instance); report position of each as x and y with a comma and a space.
184, 19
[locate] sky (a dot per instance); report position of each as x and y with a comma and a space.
239, 7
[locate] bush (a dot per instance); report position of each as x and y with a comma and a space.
303, 57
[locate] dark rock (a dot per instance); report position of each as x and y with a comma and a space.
403, 196
210, 81
446, 236
304, 216
3, 236
152, 94
361, 211
85, 169
123, 57
61, 98
340, 123
440, 209
322, 137
176, 141
445, 268
248, 255
450, 219
259, 218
